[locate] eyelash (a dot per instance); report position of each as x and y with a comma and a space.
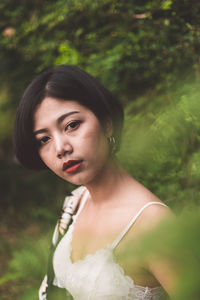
45, 139
77, 123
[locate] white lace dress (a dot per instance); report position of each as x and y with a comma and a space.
98, 276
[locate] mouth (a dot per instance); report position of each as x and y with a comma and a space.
71, 165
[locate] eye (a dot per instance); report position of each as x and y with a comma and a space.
72, 125
43, 140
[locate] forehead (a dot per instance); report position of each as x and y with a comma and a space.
50, 109
49, 103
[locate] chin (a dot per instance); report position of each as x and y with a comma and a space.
81, 179
75, 179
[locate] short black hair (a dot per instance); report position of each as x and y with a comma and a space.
67, 83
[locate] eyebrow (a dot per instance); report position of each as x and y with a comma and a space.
59, 121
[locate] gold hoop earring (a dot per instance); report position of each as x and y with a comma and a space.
112, 145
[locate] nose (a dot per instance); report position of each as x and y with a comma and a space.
62, 146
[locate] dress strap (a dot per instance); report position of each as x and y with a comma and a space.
70, 205
126, 229
84, 195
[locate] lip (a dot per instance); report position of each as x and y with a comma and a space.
71, 166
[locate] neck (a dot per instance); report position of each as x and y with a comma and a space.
104, 188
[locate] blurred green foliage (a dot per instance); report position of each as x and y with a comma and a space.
176, 241
161, 147
147, 53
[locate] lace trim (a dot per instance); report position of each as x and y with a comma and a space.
141, 290
115, 286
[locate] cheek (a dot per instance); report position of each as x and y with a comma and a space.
95, 142
42, 155
47, 157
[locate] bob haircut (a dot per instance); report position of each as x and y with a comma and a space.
65, 83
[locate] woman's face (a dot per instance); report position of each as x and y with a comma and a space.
71, 140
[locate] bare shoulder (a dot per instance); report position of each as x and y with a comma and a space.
154, 213
153, 209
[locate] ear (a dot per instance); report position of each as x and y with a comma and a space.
109, 128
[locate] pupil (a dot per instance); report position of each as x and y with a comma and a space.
73, 124
45, 139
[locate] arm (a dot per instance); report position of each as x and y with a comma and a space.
160, 266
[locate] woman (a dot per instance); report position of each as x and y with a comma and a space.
70, 123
